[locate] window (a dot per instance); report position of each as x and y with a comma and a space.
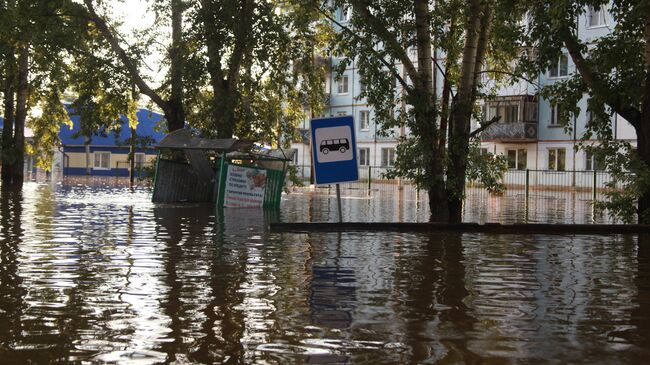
596, 16
364, 120
517, 159
362, 85
139, 161
556, 159
556, 119
345, 14
509, 113
102, 161
341, 114
364, 156
483, 152
593, 162
295, 155
387, 156
343, 85
561, 68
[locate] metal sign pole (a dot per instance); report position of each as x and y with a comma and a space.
338, 201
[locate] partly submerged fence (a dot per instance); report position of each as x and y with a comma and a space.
528, 192
373, 178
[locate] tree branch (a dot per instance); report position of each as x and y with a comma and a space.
596, 84
242, 35
128, 63
485, 126
361, 7
381, 59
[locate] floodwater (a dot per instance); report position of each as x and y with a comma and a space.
99, 274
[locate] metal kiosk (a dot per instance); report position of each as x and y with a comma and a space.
222, 171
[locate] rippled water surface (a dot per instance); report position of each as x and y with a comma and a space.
101, 275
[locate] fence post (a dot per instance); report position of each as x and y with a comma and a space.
527, 185
369, 178
595, 186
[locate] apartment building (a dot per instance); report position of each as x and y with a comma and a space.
529, 133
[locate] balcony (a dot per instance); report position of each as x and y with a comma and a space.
511, 132
518, 119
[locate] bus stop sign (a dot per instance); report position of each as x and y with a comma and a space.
334, 150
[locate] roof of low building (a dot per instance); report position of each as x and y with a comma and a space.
148, 125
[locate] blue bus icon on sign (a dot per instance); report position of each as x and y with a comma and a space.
334, 150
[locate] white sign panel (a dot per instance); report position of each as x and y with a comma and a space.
245, 187
334, 144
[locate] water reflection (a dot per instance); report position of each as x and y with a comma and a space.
432, 277
11, 291
102, 275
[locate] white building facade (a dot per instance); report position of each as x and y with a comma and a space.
529, 133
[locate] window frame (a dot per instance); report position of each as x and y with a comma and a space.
364, 159
520, 161
599, 14
364, 123
557, 66
363, 86
509, 111
387, 156
555, 151
555, 116
345, 14
592, 163
101, 153
341, 83
136, 165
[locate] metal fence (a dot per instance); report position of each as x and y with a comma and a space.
373, 178
528, 192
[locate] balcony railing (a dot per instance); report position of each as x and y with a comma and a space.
511, 132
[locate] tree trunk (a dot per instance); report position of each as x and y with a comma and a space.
132, 158
17, 173
643, 151
642, 126
462, 114
426, 115
88, 162
177, 118
8, 128
223, 113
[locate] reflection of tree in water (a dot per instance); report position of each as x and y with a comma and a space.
11, 291
177, 227
223, 326
431, 280
641, 315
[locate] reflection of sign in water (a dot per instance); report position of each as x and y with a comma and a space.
245, 187
334, 150
333, 296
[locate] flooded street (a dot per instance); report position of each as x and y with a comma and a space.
102, 275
